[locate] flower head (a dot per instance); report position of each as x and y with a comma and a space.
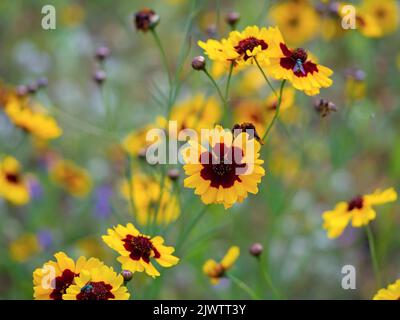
298, 21
145, 192
146, 19
296, 66
32, 118
242, 48
53, 279
392, 292
101, 283
384, 13
215, 271
137, 251
23, 248
225, 170
70, 177
13, 185
358, 210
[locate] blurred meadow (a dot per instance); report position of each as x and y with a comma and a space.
104, 83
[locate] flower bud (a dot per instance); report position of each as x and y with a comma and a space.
256, 249
22, 90
127, 275
146, 19
99, 76
199, 63
173, 174
32, 88
232, 18
324, 107
42, 82
102, 53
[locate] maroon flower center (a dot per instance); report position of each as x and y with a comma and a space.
296, 60
355, 203
12, 178
294, 22
249, 44
62, 283
222, 166
299, 54
140, 247
96, 291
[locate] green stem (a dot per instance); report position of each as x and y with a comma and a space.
243, 286
372, 249
184, 235
228, 82
217, 88
278, 106
268, 279
130, 186
266, 78
163, 55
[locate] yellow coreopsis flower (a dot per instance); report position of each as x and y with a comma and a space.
299, 68
215, 271
138, 250
136, 143
260, 113
32, 118
358, 210
298, 21
241, 48
145, 192
24, 247
225, 170
101, 283
385, 14
70, 177
198, 112
13, 185
53, 279
392, 292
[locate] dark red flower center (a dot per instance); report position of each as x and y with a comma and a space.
13, 178
296, 60
222, 166
294, 22
96, 291
355, 203
62, 283
249, 44
140, 247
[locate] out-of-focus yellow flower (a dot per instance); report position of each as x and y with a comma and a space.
298, 21
285, 164
32, 118
136, 144
358, 210
70, 177
51, 281
137, 250
392, 292
23, 248
241, 48
226, 170
13, 185
385, 13
198, 112
101, 283
298, 67
145, 192
91, 247
355, 89
72, 15
215, 271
